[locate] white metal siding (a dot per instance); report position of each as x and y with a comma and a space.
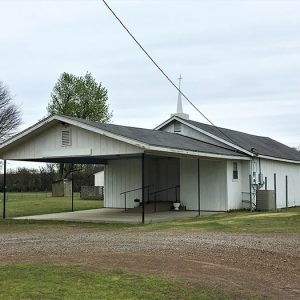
213, 184
190, 132
99, 178
122, 175
269, 167
49, 143
235, 188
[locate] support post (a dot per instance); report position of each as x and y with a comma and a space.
199, 207
125, 200
143, 188
286, 193
148, 193
72, 187
266, 183
4, 189
250, 191
275, 190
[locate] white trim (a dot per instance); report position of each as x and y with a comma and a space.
164, 123
279, 159
223, 141
103, 132
205, 133
27, 131
117, 137
196, 153
75, 123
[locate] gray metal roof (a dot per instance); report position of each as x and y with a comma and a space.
263, 145
161, 138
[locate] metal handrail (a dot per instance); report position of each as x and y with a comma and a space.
146, 186
133, 190
164, 190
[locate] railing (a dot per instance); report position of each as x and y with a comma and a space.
246, 197
133, 190
176, 187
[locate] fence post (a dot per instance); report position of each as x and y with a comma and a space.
275, 190
199, 208
143, 188
266, 183
286, 193
125, 200
250, 191
4, 190
72, 188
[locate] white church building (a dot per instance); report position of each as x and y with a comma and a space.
203, 167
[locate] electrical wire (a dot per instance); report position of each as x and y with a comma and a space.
164, 73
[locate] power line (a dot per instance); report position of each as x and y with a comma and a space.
163, 72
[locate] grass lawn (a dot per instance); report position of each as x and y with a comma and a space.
243, 221
43, 281
25, 204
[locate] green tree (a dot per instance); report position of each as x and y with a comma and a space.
81, 97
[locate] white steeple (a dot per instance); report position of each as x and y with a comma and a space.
180, 112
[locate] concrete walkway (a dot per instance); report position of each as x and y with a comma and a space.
113, 215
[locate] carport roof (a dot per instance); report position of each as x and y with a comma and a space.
161, 138
148, 139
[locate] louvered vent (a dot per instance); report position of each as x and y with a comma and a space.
66, 138
177, 127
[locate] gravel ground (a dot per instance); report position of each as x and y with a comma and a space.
267, 265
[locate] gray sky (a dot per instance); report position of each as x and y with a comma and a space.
240, 60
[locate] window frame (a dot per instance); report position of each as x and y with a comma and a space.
235, 171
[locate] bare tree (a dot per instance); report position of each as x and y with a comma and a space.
10, 115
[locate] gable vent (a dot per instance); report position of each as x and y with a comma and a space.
177, 127
66, 138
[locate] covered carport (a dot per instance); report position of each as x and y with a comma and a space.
152, 166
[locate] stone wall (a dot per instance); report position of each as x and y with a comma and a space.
91, 193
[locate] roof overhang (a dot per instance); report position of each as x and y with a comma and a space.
174, 118
49, 121
223, 141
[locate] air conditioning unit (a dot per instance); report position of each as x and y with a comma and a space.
265, 200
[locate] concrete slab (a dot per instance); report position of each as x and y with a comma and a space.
113, 215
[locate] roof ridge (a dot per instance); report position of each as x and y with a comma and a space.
163, 133
224, 128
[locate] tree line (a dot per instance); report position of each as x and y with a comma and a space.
40, 180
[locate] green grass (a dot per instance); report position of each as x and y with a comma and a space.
25, 204
45, 281
242, 221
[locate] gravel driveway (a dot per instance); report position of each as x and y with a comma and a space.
260, 264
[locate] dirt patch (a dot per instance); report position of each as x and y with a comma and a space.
266, 265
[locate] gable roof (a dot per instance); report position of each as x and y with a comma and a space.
148, 139
161, 138
264, 146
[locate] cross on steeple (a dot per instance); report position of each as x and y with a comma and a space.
179, 111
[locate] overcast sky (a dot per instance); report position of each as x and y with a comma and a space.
240, 60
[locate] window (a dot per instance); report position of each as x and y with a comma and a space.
177, 127
66, 137
235, 172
